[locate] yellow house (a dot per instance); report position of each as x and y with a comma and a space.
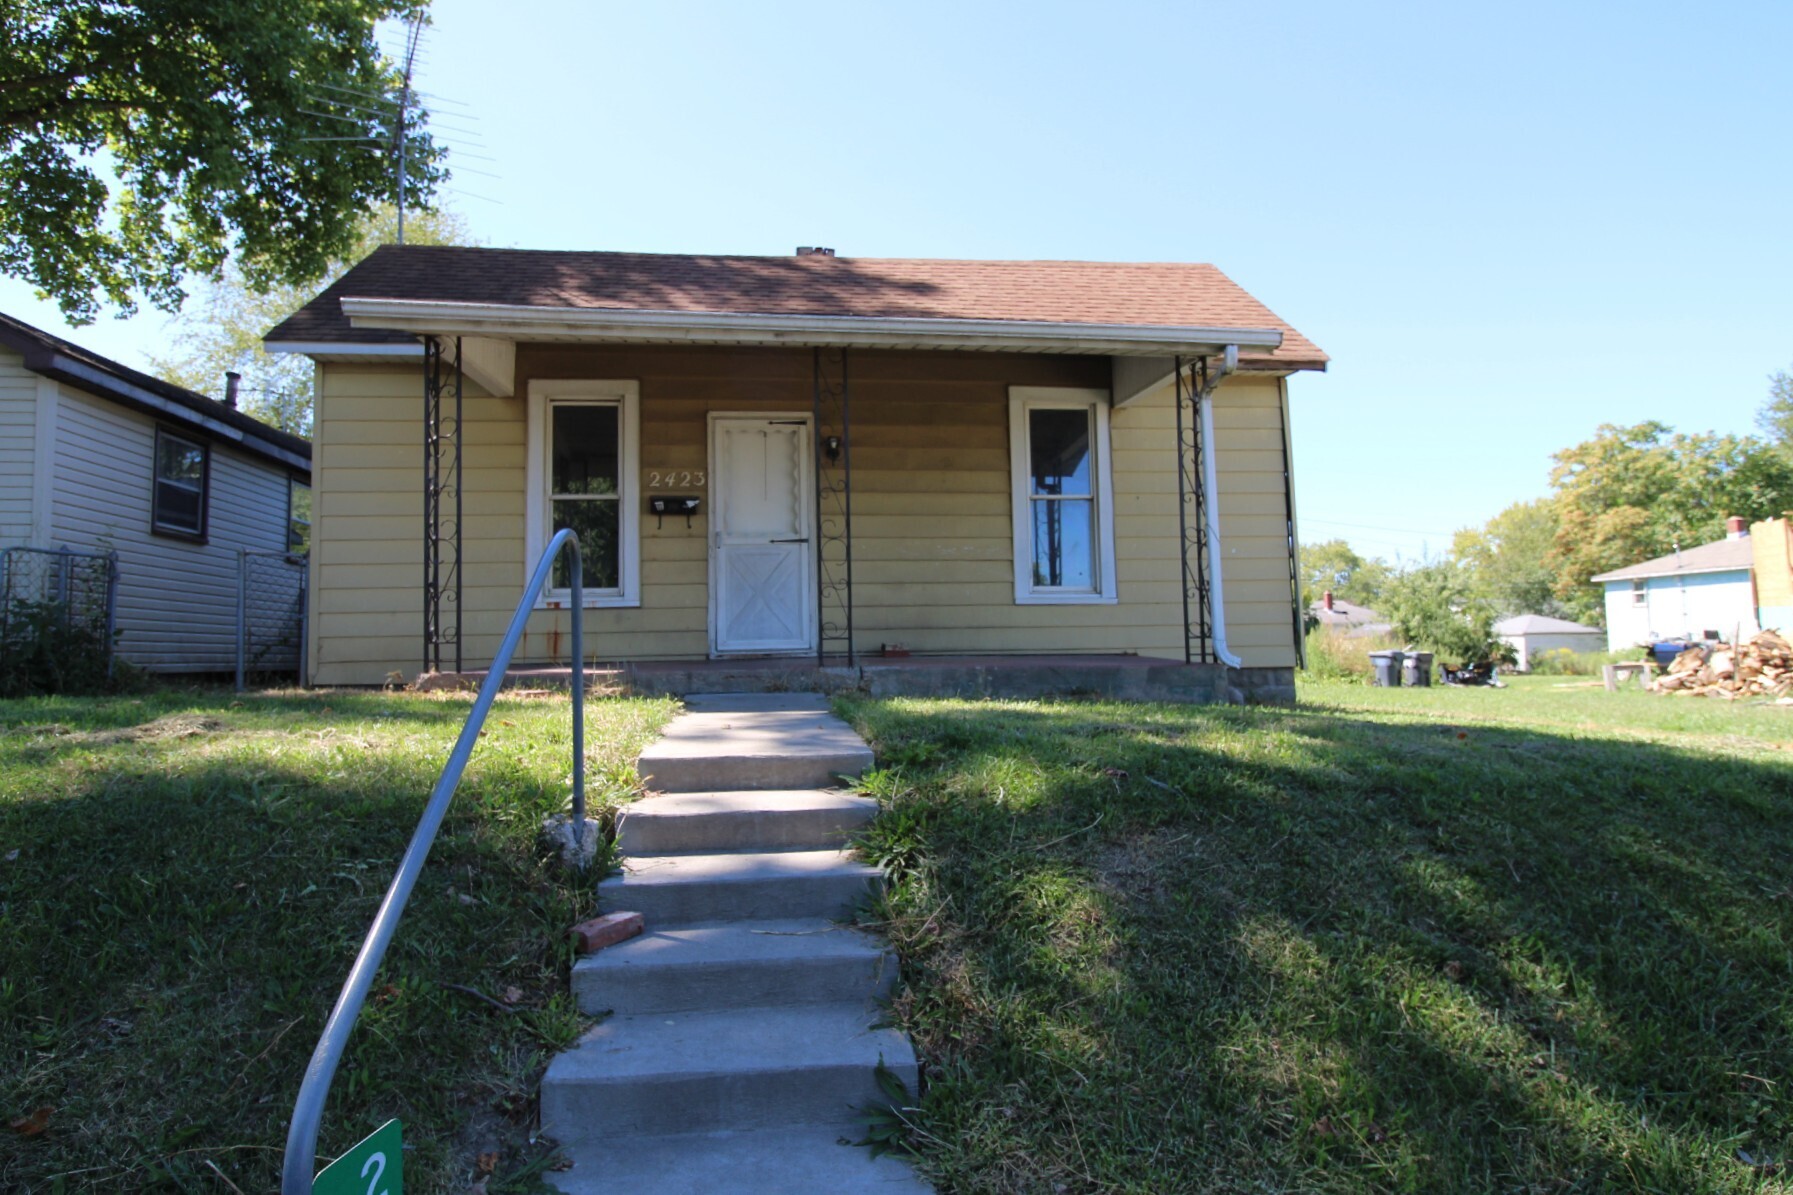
911, 475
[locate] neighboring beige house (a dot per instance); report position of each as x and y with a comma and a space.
937, 466
1771, 547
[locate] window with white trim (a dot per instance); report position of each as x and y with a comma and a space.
583, 472
182, 476
1640, 593
1063, 498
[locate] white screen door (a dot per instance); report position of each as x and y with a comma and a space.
762, 580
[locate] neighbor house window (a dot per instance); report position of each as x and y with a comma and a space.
181, 481
298, 517
1640, 593
583, 468
1063, 505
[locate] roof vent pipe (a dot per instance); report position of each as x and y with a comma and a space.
231, 380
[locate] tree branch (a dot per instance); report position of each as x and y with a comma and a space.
44, 112
31, 81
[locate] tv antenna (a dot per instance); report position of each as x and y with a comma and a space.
383, 121
401, 123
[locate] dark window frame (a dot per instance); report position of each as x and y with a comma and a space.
156, 524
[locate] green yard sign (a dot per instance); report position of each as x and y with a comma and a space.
374, 1167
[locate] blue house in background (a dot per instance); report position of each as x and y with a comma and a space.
1708, 592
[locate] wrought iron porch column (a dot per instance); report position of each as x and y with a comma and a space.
833, 418
442, 505
1192, 523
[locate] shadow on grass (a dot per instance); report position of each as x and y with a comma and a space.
1157, 949
173, 928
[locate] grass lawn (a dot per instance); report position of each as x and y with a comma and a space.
1537, 939
184, 879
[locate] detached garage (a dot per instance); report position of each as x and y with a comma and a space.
1531, 635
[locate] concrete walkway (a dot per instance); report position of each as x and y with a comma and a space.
741, 1046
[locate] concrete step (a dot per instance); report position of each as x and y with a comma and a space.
740, 741
737, 964
675, 890
807, 1161
736, 1069
777, 819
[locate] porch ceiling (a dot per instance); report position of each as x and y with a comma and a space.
611, 326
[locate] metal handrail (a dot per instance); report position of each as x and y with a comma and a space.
308, 1109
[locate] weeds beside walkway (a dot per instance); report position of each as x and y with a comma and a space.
1522, 940
184, 879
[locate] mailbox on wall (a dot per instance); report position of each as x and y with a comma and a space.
662, 505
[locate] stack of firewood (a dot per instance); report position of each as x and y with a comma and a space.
1762, 667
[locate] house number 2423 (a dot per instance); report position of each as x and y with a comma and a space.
657, 478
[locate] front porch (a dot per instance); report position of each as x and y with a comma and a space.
1011, 677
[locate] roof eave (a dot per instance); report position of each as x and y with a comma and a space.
95, 380
1627, 574
606, 325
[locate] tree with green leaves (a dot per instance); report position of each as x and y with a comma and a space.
142, 141
1506, 560
1433, 608
1634, 493
222, 331
1332, 564
1775, 419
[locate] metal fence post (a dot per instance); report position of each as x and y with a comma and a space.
6, 565
64, 591
242, 613
304, 660
111, 610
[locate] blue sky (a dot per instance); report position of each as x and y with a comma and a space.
1507, 224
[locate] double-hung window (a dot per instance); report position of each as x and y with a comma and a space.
583, 476
182, 475
1063, 498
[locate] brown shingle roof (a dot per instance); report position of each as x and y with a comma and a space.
67, 361
1074, 292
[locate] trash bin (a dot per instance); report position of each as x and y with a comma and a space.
1416, 669
1388, 668
1666, 651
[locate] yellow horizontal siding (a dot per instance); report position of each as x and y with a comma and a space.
931, 504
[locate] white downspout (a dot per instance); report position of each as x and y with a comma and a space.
1211, 508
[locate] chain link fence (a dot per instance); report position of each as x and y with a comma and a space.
271, 607
58, 617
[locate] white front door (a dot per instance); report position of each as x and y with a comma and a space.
762, 560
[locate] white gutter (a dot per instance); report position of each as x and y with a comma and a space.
325, 348
1211, 507
516, 322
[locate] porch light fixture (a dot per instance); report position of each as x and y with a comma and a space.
831, 448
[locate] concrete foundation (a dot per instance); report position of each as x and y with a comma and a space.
1014, 678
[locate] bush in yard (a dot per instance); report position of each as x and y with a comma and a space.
1431, 607
47, 648
1564, 662
1335, 657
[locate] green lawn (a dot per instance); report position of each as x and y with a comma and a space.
1534, 939
1537, 939
184, 879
